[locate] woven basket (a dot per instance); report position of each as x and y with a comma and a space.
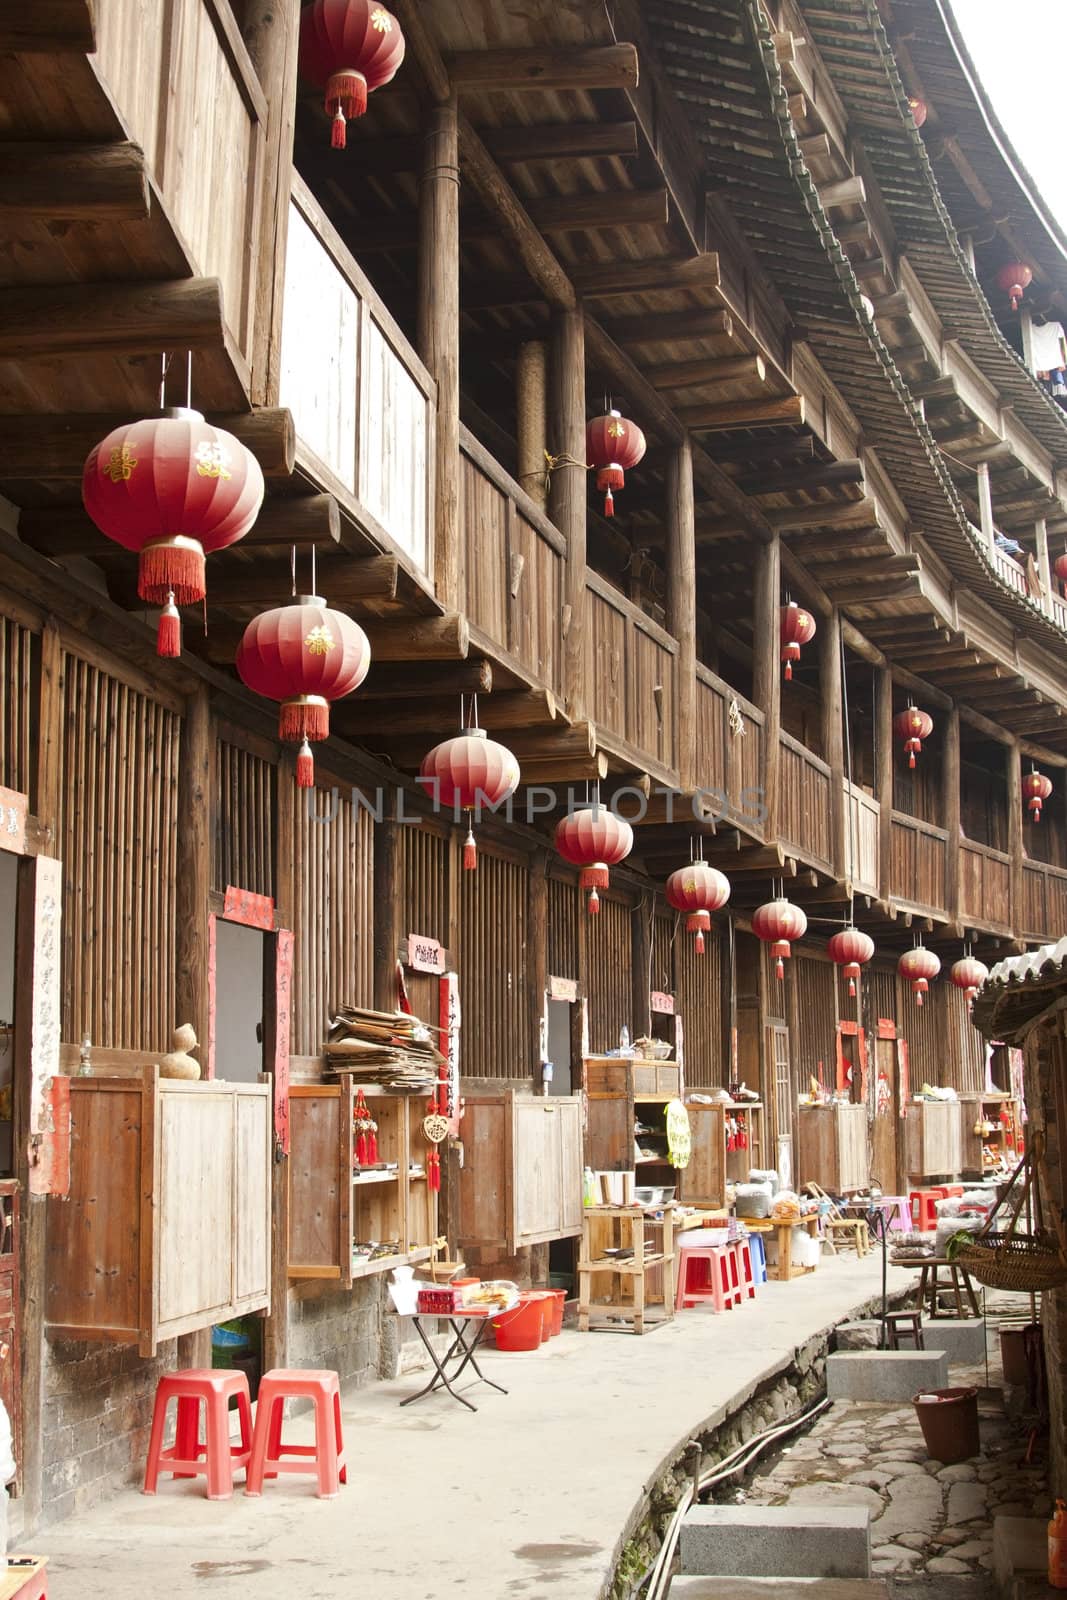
1024, 1263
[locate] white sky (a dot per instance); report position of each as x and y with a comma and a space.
1019, 48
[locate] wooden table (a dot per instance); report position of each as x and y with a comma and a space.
631, 1293
784, 1269
929, 1287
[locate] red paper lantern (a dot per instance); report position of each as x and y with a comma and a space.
969, 975
913, 726
594, 838
919, 966
1036, 790
1015, 279
613, 444
779, 923
348, 48
698, 890
851, 948
306, 656
919, 110
797, 628
172, 488
468, 773
1060, 569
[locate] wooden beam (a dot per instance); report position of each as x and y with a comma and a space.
412, 680
566, 769
196, 789
612, 66
557, 214
730, 369
438, 332
819, 475
531, 417
657, 327
767, 671
74, 182
124, 319
949, 725
883, 771
846, 192
48, 27
557, 141
875, 569
437, 709
635, 277
52, 447
783, 411
340, 582
568, 492
839, 514
681, 602
1016, 851
831, 693
444, 638
301, 520
800, 446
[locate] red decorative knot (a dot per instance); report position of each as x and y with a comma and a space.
305, 656
595, 839
969, 975
173, 489
851, 948
348, 48
698, 890
470, 773
797, 628
919, 966
614, 445
1036, 790
780, 924
1014, 279
912, 727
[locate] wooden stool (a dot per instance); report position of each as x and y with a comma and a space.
325, 1458
906, 1324
958, 1285
851, 1230
188, 1457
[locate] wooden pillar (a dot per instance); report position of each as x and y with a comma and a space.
438, 331
568, 496
950, 809
271, 33
682, 605
640, 963
985, 505
537, 952
833, 742
1044, 568
767, 671
196, 791
1026, 333
1015, 830
532, 411
388, 909
883, 775
276, 1327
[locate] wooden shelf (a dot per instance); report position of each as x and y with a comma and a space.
612, 1264
375, 1177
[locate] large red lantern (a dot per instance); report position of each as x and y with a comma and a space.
969, 975
919, 110
172, 488
614, 444
912, 727
919, 966
779, 923
1015, 278
468, 773
851, 948
1036, 790
306, 656
594, 838
1060, 569
698, 890
348, 48
797, 628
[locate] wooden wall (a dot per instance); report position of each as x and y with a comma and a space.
498, 1039
19, 656
608, 976
698, 986
813, 1015
243, 854
565, 906
118, 841
334, 920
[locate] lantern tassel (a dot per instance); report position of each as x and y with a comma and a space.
852, 988
789, 672
169, 567
305, 767
433, 1170
779, 970
698, 943
339, 130
470, 852
593, 903
609, 504
169, 632
911, 759
303, 719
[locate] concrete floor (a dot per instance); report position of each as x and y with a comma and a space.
531, 1496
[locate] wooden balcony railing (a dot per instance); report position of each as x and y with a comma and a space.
804, 813
985, 885
363, 403
631, 676
512, 569
187, 92
918, 853
728, 762
1043, 911
862, 820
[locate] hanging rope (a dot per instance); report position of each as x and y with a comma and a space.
848, 774
554, 463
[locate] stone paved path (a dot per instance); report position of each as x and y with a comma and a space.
928, 1522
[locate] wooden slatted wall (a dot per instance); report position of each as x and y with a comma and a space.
879, 998
965, 1055
924, 1028
244, 821
496, 1038
18, 707
564, 908
426, 857
607, 980
334, 914
118, 833
699, 997
813, 1017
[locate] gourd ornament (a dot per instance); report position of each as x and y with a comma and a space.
179, 1062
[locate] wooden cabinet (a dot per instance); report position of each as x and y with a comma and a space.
703, 1181
521, 1182
982, 1152
167, 1225
333, 1207
832, 1147
932, 1139
608, 1087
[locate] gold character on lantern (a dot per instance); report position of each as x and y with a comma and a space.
381, 21
211, 460
120, 464
319, 642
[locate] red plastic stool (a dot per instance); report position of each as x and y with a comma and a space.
188, 1457
746, 1283
325, 1458
924, 1208
719, 1279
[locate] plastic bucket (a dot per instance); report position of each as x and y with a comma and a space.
949, 1421
554, 1311
521, 1328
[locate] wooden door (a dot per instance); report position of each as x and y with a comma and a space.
538, 1173
320, 1181
703, 1181
885, 1131
609, 1114
780, 1074
570, 1166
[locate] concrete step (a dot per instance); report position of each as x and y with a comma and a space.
783, 1542
779, 1589
885, 1375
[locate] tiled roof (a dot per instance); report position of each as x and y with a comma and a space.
1018, 990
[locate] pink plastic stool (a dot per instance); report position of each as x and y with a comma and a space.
746, 1283
188, 1457
896, 1211
325, 1459
720, 1286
